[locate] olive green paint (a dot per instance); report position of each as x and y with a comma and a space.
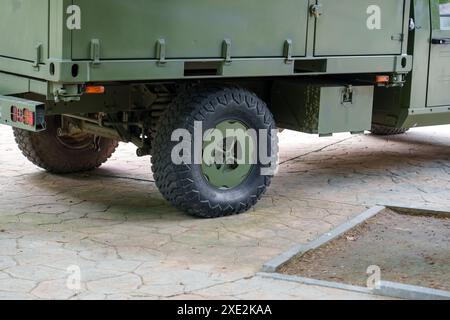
261, 39
329, 108
235, 155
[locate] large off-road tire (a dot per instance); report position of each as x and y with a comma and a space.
191, 187
62, 155
380, 130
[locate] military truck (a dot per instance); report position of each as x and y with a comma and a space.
78, 76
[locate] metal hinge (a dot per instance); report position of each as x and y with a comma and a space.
398, 37
95, 51
226, 51
38, 56
316, 10
288, 51
161, 52
65, 93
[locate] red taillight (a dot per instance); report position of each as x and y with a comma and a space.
28, 117
14, 114
24, 116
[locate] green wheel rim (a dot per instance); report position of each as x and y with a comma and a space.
228, 162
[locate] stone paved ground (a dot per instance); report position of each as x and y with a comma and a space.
129, 243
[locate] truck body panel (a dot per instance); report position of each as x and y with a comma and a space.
24, 26
346, 28
439, 73
128, 38
253, 26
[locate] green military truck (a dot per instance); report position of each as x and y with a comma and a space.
79, 76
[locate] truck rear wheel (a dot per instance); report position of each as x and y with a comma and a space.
82, 152
214, 190
380, 130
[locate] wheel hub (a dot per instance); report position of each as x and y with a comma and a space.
229, 163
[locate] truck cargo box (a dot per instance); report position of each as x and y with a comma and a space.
130, 29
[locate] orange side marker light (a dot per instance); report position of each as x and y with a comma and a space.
95, 89
382, 79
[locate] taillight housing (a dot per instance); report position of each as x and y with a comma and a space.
25, 116
14, 114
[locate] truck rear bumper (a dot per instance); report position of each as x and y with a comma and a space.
23, 114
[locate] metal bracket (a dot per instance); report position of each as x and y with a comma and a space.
288, 51
66, 93
226, 51
398, 37
397, 80
38, 56
95, 51
316, 10
161, 51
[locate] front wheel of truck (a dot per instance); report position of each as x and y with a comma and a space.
66, 154
214, 188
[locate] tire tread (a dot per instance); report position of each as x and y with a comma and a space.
173, 181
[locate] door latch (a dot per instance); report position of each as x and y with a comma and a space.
443, 41
347, 96
316, 10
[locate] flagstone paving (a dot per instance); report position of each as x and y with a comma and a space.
113, 226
